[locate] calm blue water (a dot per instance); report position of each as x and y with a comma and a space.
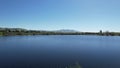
59, 51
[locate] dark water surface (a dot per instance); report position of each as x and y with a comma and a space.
59, 51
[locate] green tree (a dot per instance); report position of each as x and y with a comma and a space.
100, 32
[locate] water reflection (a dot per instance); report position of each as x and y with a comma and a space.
59, 51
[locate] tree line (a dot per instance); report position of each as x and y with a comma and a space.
19, 31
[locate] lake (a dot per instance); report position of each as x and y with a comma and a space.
59, 51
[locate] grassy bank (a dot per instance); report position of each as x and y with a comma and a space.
1, 33
77, 65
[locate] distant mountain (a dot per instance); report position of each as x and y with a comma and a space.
66, 31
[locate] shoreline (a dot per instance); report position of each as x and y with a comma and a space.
25, 32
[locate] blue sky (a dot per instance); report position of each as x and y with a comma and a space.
82, 15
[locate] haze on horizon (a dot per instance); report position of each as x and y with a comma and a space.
81, 15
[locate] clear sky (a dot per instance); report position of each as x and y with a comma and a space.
82, 15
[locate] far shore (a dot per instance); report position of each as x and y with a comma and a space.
25, 32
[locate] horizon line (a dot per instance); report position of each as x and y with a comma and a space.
56, 29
